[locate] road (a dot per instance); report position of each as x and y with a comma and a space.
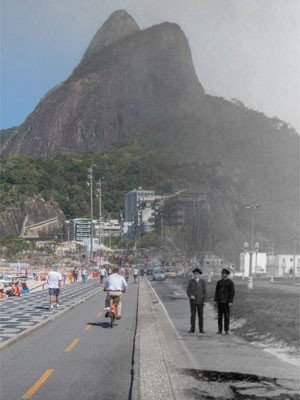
77, 355
218, 351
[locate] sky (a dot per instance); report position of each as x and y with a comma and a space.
243, 49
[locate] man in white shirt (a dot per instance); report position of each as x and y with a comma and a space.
114, 285
135, 274
102, 274
54, 279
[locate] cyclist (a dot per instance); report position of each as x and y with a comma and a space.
114, 285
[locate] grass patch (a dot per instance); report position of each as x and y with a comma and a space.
269, 311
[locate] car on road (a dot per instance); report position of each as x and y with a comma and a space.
158, 275
170, 272
149, 271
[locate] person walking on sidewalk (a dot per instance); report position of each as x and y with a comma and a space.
102, 274
135, 274
196, 292
54, 280
224, 295
83, 275
75, 275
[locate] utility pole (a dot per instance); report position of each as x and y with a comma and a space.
90, 184
121, 226
162, 228
99, 190
294, 263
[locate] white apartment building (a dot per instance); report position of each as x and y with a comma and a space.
283, 264
259, 263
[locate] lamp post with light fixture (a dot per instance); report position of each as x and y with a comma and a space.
253, 207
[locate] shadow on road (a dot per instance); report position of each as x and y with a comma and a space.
101, 324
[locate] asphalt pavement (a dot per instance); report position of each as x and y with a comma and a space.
210, 366
77, 355
149, 355
21, 315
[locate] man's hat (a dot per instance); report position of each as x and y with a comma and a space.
197, 270
226, 271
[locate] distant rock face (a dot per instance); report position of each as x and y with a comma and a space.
127, 80
39, 217
119, 25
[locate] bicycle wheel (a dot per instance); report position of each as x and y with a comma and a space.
112, 320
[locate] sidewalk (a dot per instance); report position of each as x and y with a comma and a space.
21, 315
176, 365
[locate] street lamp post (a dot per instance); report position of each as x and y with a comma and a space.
294, 264
253, 207
162, 228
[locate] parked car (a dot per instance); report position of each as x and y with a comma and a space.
170, 272
158, 275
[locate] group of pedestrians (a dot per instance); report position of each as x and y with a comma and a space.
115, 285
223, 298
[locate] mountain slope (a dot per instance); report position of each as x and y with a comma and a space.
141, 84
144, 77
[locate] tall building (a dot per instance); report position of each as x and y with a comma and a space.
133, 200
180, 209
139, 211
80, 229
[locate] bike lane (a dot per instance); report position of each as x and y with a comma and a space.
76, 356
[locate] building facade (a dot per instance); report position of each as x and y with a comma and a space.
283, 264
139, 212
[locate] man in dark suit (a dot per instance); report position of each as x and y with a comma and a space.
196, 292
224, 295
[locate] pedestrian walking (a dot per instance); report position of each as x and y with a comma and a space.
83, 275
54, 280
142, 272
135, 274
196, 292
224, 295
75, 275
102, 274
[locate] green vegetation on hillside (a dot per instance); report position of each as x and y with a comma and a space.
64, 178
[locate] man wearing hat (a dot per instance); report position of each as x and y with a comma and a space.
224, 295
196, 292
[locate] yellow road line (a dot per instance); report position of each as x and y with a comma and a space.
99, 314
73, 344
89, 327
37, 384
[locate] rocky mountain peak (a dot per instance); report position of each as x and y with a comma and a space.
118, 26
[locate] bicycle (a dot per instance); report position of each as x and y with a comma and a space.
113, 310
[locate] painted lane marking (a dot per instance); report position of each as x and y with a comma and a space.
73, 344
37, 384
88, 328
